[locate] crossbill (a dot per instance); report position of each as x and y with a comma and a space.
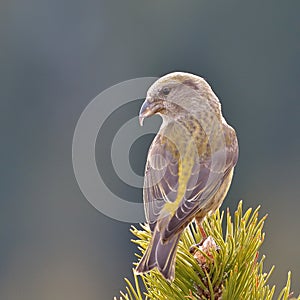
189, 166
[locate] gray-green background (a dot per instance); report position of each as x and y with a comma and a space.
55, 56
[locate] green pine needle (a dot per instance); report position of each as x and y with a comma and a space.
233, 271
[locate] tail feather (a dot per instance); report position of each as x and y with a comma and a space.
161, 255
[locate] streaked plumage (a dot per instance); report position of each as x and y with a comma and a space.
189, 166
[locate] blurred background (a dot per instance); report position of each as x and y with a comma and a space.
56, 56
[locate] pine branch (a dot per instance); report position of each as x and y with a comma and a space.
229, 269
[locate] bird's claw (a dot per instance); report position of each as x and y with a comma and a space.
207, 246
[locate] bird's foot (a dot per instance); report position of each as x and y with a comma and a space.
206, 246
195, 247
203, 235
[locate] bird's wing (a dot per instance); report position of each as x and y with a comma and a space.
161, 183
161, 179
206, 179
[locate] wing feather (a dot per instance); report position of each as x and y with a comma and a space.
161, 183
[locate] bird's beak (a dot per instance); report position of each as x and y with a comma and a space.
149, 108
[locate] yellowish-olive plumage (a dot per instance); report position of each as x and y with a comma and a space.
189, 166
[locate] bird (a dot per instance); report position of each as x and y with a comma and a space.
189, 166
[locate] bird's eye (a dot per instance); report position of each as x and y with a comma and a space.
166, 90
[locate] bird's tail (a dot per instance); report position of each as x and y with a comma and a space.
161, 255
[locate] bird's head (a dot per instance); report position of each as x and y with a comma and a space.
175, 93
